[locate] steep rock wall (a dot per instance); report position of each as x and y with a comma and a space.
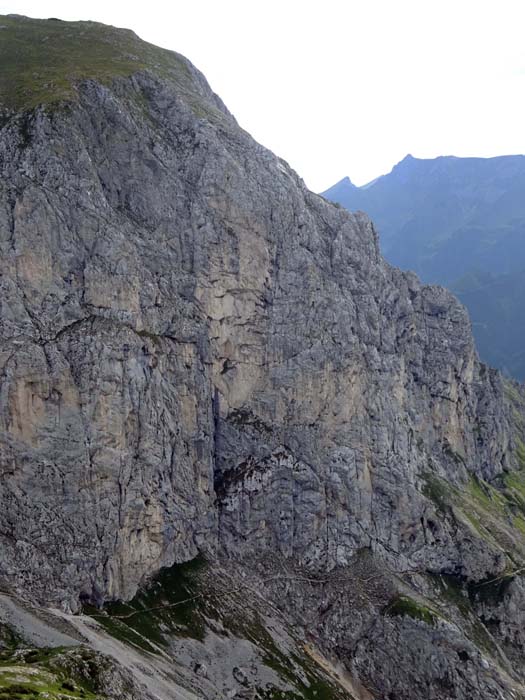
199, 355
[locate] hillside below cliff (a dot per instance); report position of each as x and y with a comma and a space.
202, 361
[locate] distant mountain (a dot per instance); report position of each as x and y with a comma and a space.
459, 222
497, 309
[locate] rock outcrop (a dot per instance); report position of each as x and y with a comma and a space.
199, 355
458, 222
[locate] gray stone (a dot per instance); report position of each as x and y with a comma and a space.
200, 355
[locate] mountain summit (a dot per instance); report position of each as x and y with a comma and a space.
261, 461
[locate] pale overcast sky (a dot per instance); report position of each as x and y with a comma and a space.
345, 87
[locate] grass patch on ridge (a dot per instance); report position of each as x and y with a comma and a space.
42, 61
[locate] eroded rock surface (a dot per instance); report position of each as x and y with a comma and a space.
200, 355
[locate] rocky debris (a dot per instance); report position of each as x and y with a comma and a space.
198, 355
200, 669
242, 650
32, 624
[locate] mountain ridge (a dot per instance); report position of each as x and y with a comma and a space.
201, 359
453, 219
411, 159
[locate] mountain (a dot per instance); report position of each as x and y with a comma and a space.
241, 455
456, 221
495, 304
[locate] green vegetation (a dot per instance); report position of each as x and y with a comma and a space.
496, 515
512, 392
493, 514
520, 451
171, 605
51, 673
514, 483
516, 399
440, 492
404, 606
487, 497
299, 670
120, 629
181, 601
9, 641
42, 61
23, 681
451, 591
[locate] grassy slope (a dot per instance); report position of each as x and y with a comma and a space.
496, 515
55, 674
182, 601
41, 61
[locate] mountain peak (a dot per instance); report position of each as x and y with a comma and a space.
407, 161
340, 189
346, 182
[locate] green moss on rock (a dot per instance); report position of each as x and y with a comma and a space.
452, 590
514, 484
495, 514
520, 451
403, 606
441, 493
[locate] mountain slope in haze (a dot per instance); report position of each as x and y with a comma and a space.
202, 361
497, 311
459, 222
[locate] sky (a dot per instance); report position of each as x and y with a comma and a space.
344, 87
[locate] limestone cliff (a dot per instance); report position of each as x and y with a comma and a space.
198, 355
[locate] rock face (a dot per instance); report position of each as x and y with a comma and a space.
200, 355
458, 222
